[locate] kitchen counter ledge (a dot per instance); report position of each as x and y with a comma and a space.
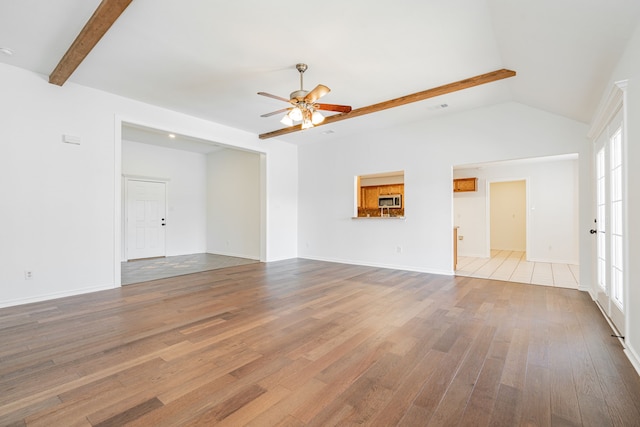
379, 217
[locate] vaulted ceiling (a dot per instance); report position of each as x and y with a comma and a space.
210, 58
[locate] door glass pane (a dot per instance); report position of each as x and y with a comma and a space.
616, 187
601, 220
616, 219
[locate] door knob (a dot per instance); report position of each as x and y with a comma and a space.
592, 231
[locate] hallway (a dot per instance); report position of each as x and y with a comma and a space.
512, 266
144, 270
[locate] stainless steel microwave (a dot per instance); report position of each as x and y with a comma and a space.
390, 201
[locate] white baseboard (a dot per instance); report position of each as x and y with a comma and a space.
245, 256
460, 254
632, 355
628, 350
55, 295
553, 261
380, 265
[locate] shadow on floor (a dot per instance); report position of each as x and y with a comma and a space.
144, 270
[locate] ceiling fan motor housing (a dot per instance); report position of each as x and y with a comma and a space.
298, 95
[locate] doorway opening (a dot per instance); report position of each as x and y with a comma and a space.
520, 223
212, 211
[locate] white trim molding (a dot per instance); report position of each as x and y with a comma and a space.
608, 109
145, 178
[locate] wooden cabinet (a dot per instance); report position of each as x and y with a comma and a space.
369, 195
391, 189
464, 184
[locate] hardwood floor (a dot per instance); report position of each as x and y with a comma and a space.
301, 342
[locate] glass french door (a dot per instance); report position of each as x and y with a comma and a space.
610, 247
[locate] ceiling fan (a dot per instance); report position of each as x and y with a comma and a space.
304, 107
396, 102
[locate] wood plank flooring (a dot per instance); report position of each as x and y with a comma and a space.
308, 343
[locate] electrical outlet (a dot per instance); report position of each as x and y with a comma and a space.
399, 249
28, 275
460, 237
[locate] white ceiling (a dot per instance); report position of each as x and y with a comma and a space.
210, 58
162, 138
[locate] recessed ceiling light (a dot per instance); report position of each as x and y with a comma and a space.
328, 132
6, 51
171, 136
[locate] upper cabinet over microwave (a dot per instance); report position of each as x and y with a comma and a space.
390, 201
464, 184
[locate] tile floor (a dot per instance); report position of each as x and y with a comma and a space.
137, 271
512, 266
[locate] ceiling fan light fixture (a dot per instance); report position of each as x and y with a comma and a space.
317, 118
306, 119
306, 124
295, 114
286, 120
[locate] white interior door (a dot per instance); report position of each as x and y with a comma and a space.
508, 215
146, 214
609, 222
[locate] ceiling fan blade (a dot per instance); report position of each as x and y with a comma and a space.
414, 97
317, 93
334, 107
273, 113
268, 95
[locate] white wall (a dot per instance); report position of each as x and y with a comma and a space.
233, 207
426, 151
628, 68
553, 208
60, 205
186, 192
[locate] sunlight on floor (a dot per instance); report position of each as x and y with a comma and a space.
512, 266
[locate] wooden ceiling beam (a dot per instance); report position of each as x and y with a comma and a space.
403, 100
106, 14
